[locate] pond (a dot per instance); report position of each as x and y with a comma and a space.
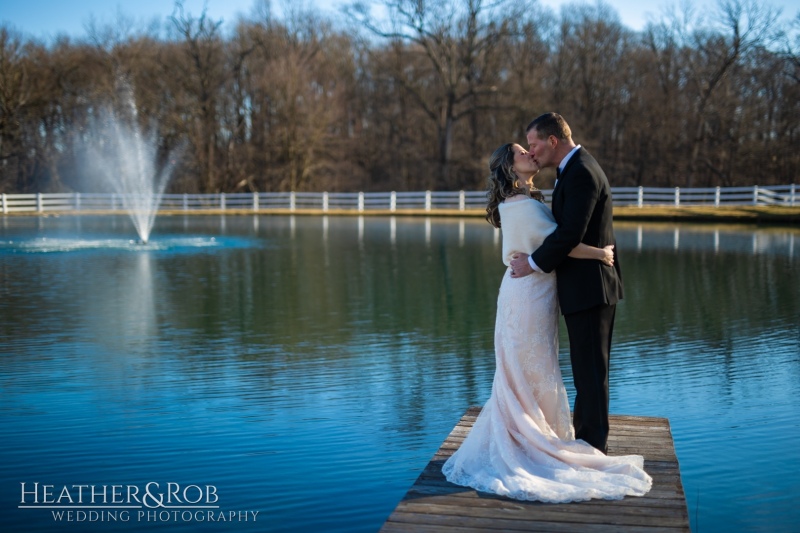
307, 368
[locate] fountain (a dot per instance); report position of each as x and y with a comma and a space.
124, 158
117, 155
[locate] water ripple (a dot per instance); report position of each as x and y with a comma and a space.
280, 387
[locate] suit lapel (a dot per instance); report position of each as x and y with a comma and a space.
555, 202
559, 187
577, 155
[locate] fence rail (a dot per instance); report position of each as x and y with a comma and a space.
786, 195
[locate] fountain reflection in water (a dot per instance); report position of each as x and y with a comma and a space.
126, 159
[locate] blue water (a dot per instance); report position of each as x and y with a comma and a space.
307, 368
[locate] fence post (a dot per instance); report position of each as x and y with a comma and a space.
5, 203
755, 194
185, 202
717, 196
325, 201
791, 199
393, 202
222, 201
428, 200
292, 201
640, 199
677, 196
360, 201
77, 201
255, 201
462, 200
39, 202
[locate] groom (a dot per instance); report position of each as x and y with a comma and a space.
587, 290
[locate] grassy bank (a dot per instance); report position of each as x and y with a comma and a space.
737, 214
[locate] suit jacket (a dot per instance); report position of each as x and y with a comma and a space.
582, 208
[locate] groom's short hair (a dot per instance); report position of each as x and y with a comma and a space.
550, 124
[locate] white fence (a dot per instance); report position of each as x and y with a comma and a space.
786, 195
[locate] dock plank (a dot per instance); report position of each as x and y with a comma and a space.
434, 505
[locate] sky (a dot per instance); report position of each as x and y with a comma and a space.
45, 19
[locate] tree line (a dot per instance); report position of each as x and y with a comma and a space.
413, 98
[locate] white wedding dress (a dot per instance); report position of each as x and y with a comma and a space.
522, 444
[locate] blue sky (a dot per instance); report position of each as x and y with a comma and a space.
47, 18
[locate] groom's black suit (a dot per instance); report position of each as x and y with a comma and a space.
587, 290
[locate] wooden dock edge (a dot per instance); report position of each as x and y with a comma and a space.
433, 505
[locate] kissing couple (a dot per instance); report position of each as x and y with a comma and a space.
523, 444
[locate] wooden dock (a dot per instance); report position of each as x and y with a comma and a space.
433, 505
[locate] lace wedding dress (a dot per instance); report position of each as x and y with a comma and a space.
522, 444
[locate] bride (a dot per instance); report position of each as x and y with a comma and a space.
523, 444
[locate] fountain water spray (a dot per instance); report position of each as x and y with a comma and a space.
126, 160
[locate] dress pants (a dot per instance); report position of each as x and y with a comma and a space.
589, 349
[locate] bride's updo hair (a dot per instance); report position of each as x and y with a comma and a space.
503, 183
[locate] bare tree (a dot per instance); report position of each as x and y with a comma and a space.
458, 40
202, 75
419, 99
298, 81
745, 24
15, 89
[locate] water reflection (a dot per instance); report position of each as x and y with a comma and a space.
728, 239
343, 349
129, 298
427, 230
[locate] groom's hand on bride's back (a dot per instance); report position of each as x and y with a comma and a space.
608, 255
520, 266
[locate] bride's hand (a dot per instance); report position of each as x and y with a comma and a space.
608, 255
